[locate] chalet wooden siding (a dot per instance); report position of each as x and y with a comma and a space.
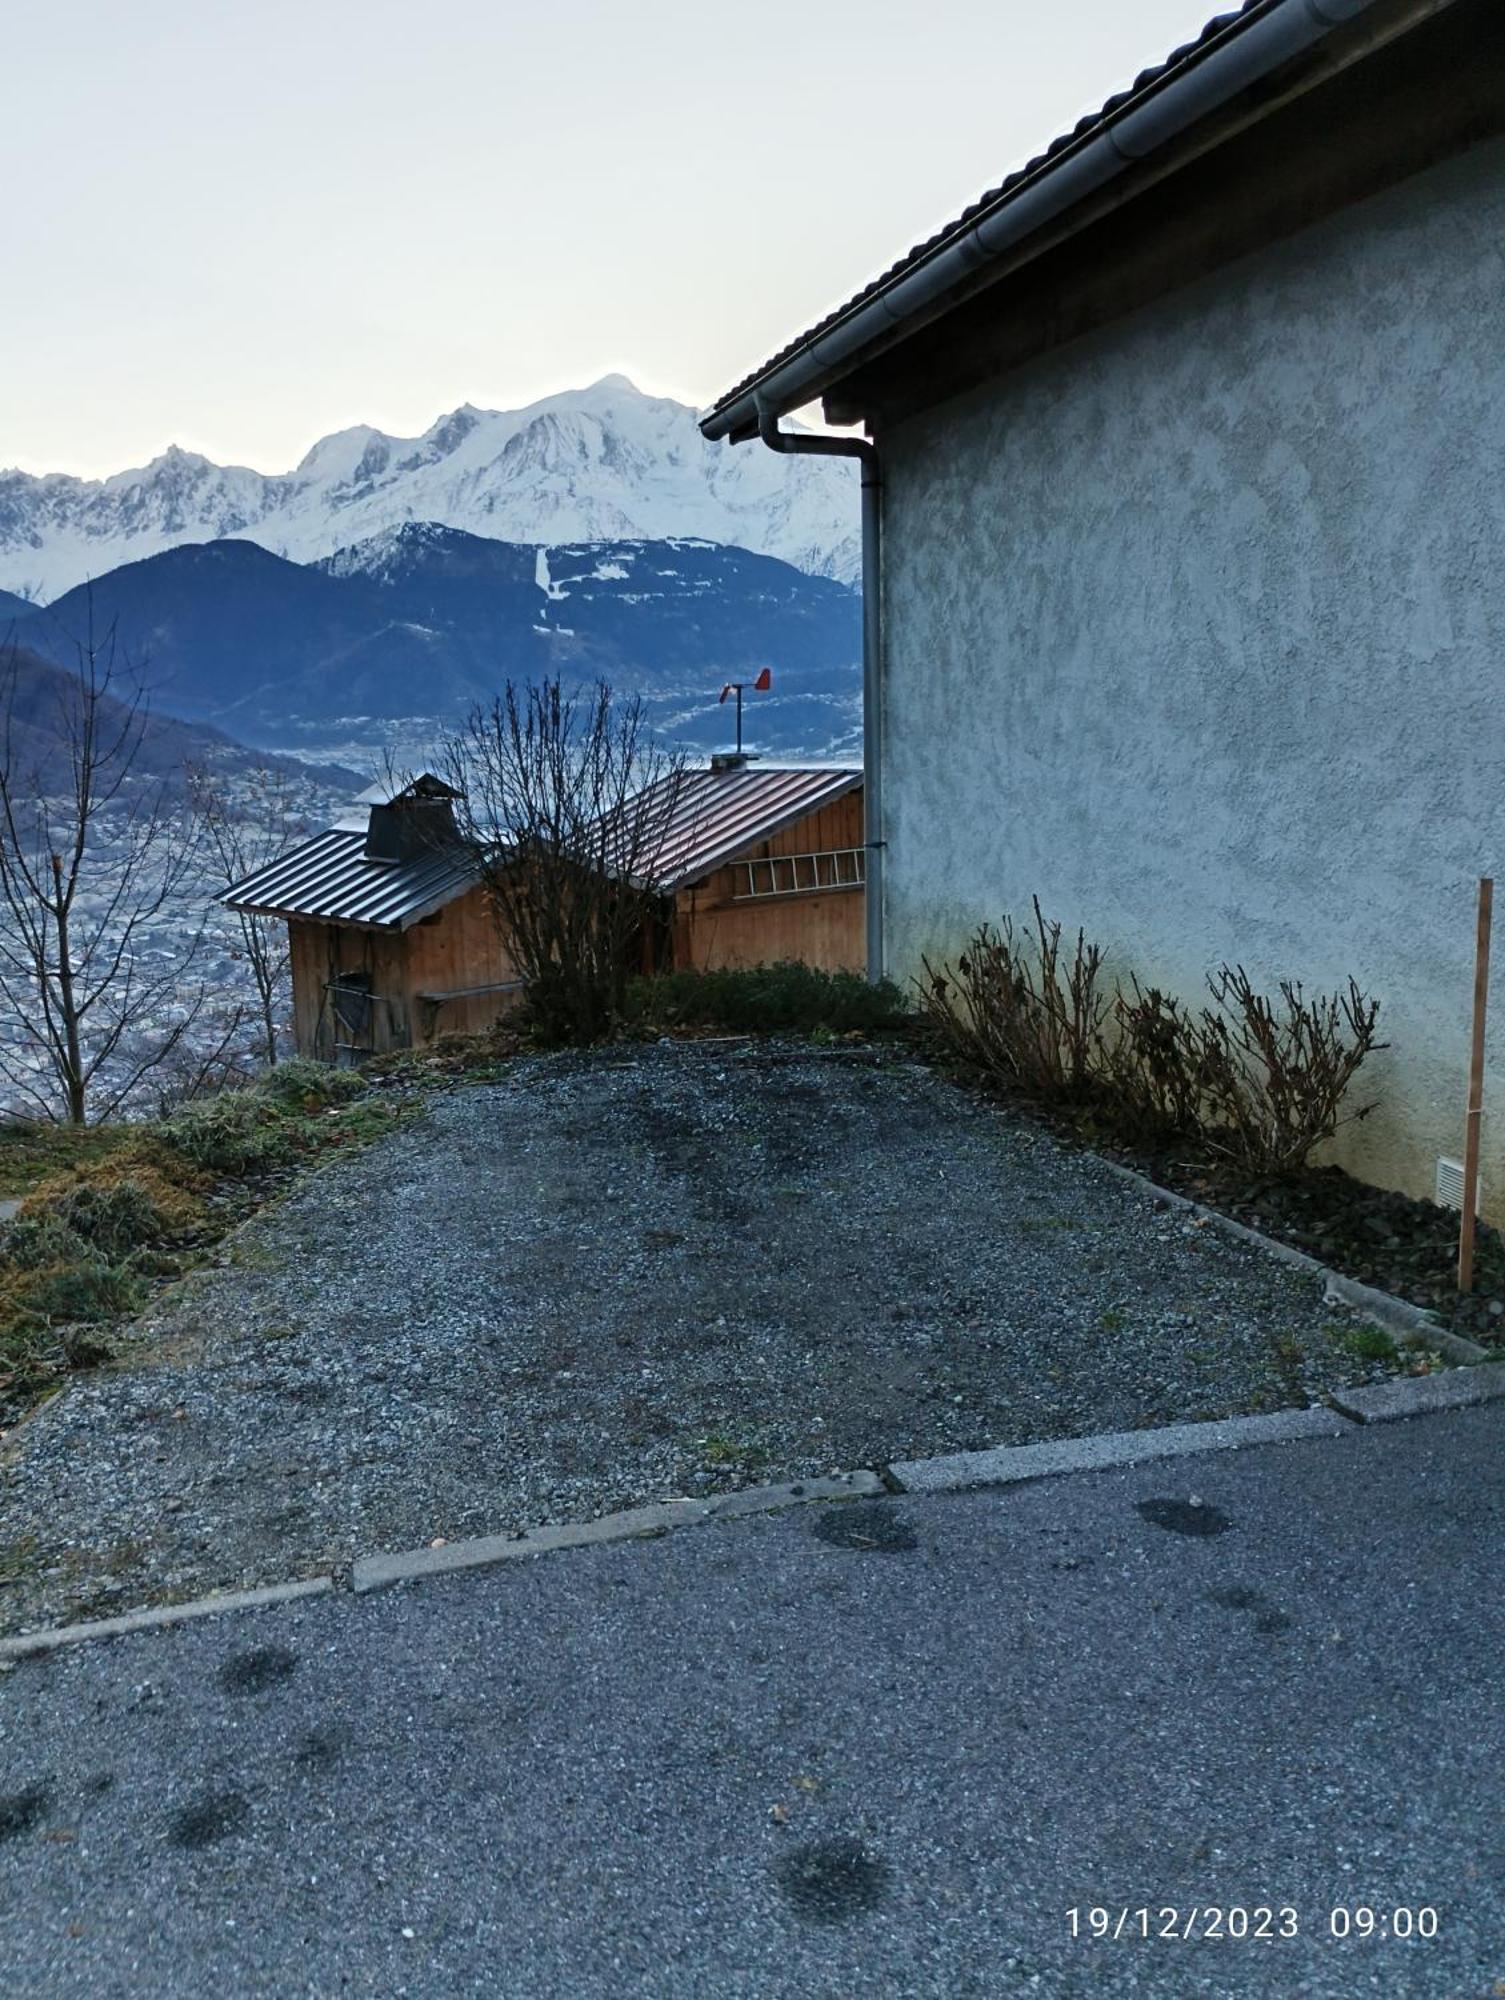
445, 974
717, 923
394, 939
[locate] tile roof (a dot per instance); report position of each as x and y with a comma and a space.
329, 880
1179, 58
711, 816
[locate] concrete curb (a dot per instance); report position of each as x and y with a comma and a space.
1007, 1465
376, 1572
53, 1636
1418, 1395
1004, 1465
1412, 1326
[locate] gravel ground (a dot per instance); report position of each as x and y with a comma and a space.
615, 1277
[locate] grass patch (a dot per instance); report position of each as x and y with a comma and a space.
766, 999
1368, 1343
112, 1209
720, 1449
32, 1151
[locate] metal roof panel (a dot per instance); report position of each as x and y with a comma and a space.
713, 815
330, 880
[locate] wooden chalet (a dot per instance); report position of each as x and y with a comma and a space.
391, 936
759, 863
393, 940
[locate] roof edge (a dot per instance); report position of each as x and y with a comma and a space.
668, 885
1232, 55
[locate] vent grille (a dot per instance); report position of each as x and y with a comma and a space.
1450, 1184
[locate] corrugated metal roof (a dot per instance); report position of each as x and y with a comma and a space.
711, 816
1179, 58
329, 880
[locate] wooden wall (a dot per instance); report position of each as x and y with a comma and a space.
823, 927
458, 947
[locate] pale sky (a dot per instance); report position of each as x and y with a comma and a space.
240, 224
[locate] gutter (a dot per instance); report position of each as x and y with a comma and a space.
1249, 50
809, 444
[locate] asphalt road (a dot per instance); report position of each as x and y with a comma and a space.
875, 1748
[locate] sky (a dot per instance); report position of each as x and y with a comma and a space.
239, 227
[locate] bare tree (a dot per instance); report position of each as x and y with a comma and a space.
567, 799
246, 831
95, 863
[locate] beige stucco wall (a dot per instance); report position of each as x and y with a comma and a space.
1196, 628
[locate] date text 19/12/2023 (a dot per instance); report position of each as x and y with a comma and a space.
1257, 1921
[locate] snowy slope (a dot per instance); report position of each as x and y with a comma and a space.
597, 464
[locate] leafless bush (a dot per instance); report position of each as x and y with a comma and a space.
1261, 1082
1013, 1009
244, 832
95, 861
1274, 1074
1152, 1063
566, 800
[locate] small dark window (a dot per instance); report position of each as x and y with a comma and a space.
350, 996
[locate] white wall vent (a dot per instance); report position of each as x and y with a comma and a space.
1450, 1184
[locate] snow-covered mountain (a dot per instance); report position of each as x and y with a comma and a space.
600, 464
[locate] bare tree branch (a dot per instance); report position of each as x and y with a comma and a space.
566, 799
95, 863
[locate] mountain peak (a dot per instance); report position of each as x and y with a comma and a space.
176, 457
601, 463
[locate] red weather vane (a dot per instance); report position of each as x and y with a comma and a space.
760, 686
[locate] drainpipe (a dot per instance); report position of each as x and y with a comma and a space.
816, 445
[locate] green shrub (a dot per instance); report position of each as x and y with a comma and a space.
89, 1290
30, 1243
765, 998
236, 1132
113, 1219
300, 1084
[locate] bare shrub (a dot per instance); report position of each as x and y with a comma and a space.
95, 863
257, 823
566, 802
1013, 1010
1260, 1081
1152, 1063
1274, 1073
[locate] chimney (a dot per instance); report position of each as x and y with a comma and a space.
415, 822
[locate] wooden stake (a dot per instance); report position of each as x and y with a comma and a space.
1475, 1089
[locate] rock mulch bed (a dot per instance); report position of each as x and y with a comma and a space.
1388, 1240
613, 1277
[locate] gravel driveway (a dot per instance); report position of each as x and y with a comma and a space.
615, 1277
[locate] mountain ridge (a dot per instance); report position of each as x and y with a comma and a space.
596, 464
423, 621
42, 701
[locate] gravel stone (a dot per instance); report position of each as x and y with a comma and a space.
621, 1276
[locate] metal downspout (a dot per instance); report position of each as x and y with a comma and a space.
817, 445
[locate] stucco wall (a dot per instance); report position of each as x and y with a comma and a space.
1196, 628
